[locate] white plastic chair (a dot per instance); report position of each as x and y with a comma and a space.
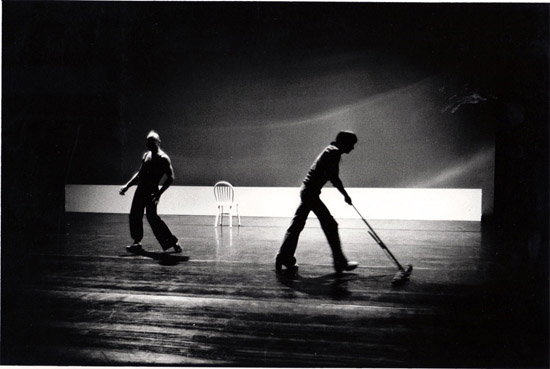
225, 199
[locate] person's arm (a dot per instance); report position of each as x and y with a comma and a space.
169, 171
336, 182
334, 177
133, 181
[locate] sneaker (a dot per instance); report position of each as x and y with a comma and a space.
136, 246
349, 266
289, 263
177, 248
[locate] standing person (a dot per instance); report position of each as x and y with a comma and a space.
155, 164
325, 168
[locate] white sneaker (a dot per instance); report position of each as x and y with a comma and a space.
136, 246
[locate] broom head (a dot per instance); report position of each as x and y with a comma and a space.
402, 275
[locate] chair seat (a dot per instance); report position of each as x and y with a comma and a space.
227, 203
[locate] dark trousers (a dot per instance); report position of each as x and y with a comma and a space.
311, 202
143, 201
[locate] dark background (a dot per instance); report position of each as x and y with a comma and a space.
252, 92
441, 96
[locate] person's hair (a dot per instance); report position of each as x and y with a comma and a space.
345, 137
154, 135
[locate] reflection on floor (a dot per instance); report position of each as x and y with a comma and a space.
87, 301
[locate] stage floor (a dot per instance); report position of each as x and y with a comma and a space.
87, 301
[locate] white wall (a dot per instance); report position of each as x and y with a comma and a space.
373, 203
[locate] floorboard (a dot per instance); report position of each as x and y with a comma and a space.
86, 301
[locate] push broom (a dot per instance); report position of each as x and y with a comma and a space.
403, 274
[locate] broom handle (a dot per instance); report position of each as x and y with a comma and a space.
379, 241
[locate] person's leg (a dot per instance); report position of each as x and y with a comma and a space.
330, 228
160, 229
136, 217
285, 256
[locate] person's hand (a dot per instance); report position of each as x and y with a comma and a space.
123, 190
155, 198
348, 199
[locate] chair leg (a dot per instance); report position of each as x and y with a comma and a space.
230, 216
217, 217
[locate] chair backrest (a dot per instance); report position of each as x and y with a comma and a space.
223, 191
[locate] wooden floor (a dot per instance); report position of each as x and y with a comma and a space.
86, 301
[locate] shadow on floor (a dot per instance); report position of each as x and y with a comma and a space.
333, 285
164, 258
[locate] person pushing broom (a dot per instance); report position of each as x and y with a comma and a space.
325, 168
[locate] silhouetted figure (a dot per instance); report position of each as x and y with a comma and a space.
325, 168
155, 164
